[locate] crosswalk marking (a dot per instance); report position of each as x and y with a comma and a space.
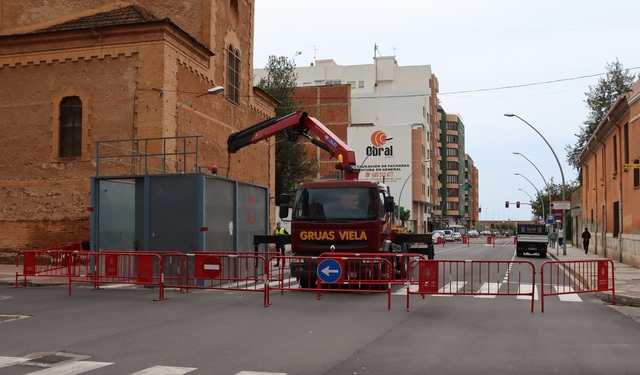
165, 370
487, 288
260, 373
10, 361
573, 297
72, 368
527, 288
453, 287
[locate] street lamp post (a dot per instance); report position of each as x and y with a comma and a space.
543, 179
540, 198
537, 191
211, 91
405, 182
564, 196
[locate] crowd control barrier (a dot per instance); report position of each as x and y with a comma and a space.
577, 276
361, 273
244, 271
122, 267
55, 263
472, 278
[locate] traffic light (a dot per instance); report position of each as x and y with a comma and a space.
518, 204
506, 204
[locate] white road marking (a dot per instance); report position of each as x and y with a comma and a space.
72, 368
573, 297
165, 370
527, 288
10, 361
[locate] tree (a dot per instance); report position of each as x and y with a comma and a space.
599, 100
292, 163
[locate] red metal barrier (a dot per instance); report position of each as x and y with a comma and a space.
577, 276
477, 278
245, 271
336, 272
122, 267
53, 264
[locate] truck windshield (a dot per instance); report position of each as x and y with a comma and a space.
336, 204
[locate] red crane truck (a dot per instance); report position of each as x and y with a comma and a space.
346, 215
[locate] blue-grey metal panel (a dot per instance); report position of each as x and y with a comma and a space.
219, 197
253, 204
115, 214
173, 212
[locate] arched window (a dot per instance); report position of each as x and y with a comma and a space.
70, 127
233, 75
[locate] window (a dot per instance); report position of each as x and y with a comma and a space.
452, 125
452, 165
452, 138
360, 84
352, 84
626, 143
615, 154
70, 127
452, 152
452, 179
233, 75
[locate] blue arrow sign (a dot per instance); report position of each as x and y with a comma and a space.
329, 271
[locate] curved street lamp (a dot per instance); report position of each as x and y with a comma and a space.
537, 191
211, 91
533, 199
405, 182
564, 196
543, 179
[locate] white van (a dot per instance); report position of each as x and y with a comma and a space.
448, 235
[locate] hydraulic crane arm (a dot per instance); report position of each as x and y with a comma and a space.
295, 125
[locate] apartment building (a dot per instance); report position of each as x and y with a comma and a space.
392, 126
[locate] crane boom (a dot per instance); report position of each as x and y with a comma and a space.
292, 126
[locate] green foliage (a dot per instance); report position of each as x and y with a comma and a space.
292, 163
600, 99
553, 192
402, 213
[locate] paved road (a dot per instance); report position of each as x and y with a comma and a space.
123, 331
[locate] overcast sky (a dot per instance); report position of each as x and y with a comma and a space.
549, 51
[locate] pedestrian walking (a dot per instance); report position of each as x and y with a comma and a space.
586, 237
554, 238
560, 237
280, 231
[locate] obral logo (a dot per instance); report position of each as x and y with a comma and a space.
378, 139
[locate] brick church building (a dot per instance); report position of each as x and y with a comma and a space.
75, 73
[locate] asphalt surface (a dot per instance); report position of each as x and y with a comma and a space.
627, 278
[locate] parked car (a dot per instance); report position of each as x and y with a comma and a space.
473, 233
456, 236
448, 234
437, 236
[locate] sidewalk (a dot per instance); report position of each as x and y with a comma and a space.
627, 278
